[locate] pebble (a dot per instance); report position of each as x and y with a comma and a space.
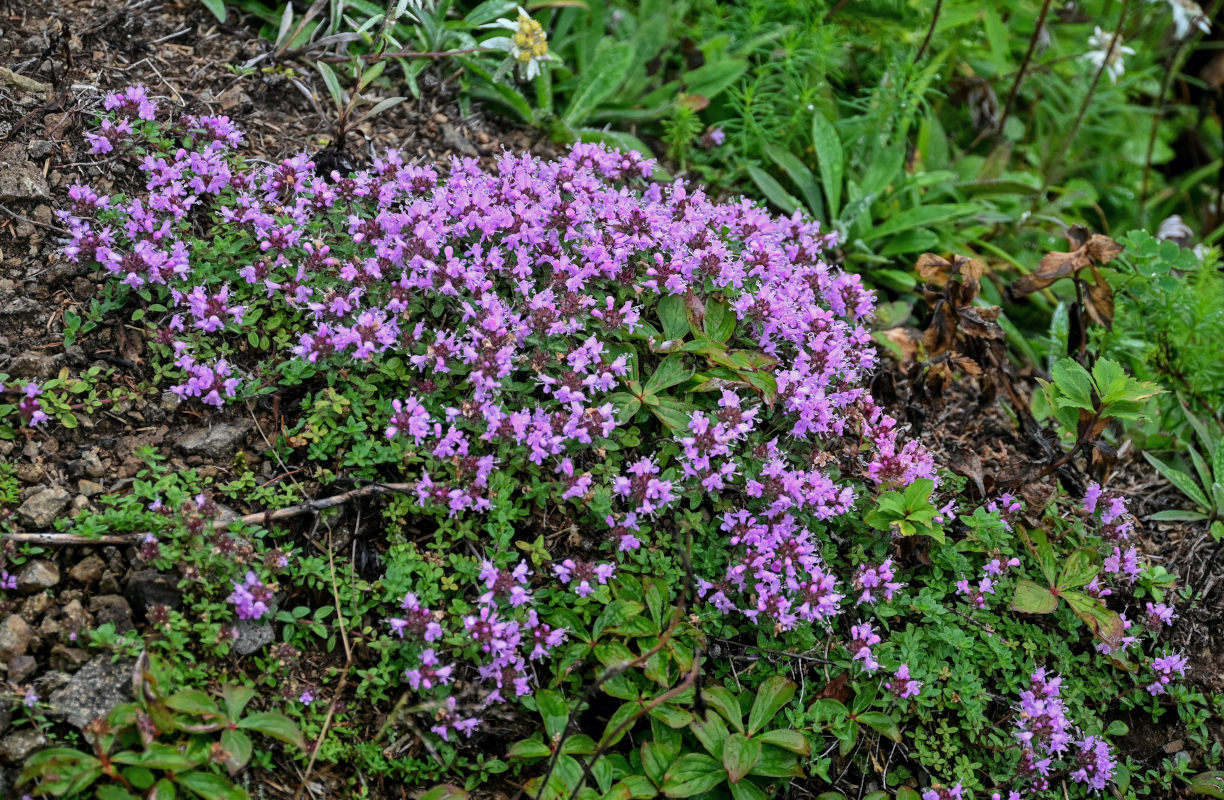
87, 570
37, 576
43, 508
15, 635
20, 745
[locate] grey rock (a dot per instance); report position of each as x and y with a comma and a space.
112, 608
89, 488
38, 575
253, 635
20, 745
34, 365
92, 692
213, 442
88, 569
18, 306
88, 465
37, 148
34, 606
148, 588
20, 178
20, 668
15, 635
68, 658
43, 508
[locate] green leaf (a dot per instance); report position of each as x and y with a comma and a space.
615, 614
637, 787
1184, 483
528, 748
485, 13
1031, 598
217, 7
801, 176
238, 745
112, 792
787, 739
774, 693
719, 320
921, 216
209, 786
140, 777
1073, 384
778, 763
1208, 783
656, 758
674, 414
278, 726
712, 78
773, 190
1106, 625
554, 710
670, 372
1079, 569
496, 90
882, 724
747, 790
830, 160
600, 79
724, 702
692, 774
673, 314
740, 756
712, 733
164, 790
193, 701
236, 699
332, 82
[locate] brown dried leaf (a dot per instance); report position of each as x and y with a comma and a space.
1102, 249
933, 269
968, 464
1085, 250
1036, 495
907, 341
1099, 302
967, 365
940, 335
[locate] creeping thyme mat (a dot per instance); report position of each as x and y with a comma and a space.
642, 455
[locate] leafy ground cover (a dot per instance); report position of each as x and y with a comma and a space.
461, 472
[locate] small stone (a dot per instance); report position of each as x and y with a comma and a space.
45, 507
31, 473
88, 570
94, 691
78, 618
170, 401
34, 365
148, 588
15, 635
20, 668
252, 635
112, 608
20, 745
37, 148
89, 488
67, 658
37, 575
79, 504
20, 178
213, 442
33, 607
90, 465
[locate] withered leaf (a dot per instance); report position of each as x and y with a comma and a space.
968, 464
1099, 301
940, 335
967, 365
1086, 250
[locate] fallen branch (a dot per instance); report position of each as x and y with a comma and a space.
56, 539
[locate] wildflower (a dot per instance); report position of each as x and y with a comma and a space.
31, 698
1166, 668
251, 597
860, 646
1108, 51
939, 792
449, 721
29, 407
583, 573
714, 137
527, 46
902, 684
1093, 762
1187, 14
306, 698
1158, 614
871, 579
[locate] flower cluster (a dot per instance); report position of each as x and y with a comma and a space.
251, 598
1045, 735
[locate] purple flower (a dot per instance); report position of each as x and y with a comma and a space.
955, 792
862, 640
306, 698
1167, 668
902, 684
250, 598
1159, 614
31, 698
1092, 762
583, 573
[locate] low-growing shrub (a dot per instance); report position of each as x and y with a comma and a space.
632, 455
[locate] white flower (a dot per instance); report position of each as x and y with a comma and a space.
527, 47
1187, 14
1106, 51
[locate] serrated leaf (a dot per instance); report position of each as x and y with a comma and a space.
1074, 385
